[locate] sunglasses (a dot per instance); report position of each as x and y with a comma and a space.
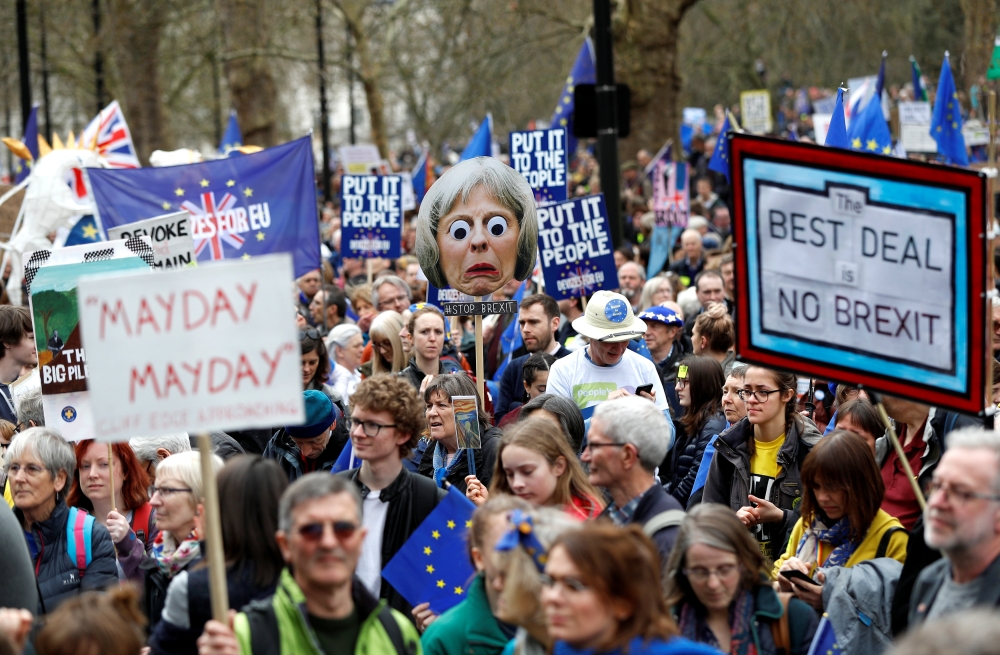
311, 333
342, 530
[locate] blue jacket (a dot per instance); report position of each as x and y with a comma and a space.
675, 646
684, 459
656, 501
511, 387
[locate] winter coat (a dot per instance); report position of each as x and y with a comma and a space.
656, 501
930, 581
858, 600
57, 575
283, 450
640, 646
154, 589
485, 459
681, 464
728, 480
468, 628
415, 376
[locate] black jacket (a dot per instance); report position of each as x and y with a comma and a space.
57, 575
485, 459
668, 375
411, 498
415, 376
680, 467
283, 450
18, 590
656, 501
154, 590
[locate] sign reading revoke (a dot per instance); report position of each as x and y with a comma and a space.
193, 350
861, 270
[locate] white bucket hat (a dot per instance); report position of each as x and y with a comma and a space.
609, 318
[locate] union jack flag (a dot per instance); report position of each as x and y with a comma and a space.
214, 223
114, 140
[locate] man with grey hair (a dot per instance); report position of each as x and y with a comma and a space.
628, 439
30, 412
962, 519
390, 293
320, 535
150, 450
631, 279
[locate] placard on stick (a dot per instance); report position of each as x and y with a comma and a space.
574, 246
170, 235
192, 349
861, 269
540, 156
371, 215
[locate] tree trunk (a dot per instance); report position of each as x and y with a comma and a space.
646, 37
248, 73
369, 74
133, 34
980, 31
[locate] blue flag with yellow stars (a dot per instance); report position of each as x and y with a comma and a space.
720, 156
584, 71
22, 168
433, 565
233, 138
825, 640
241, 207
946, 122
85, 231
868, 131
836, 136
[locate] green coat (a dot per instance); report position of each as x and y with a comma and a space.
297, 637
469, 628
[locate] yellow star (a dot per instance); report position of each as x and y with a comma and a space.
436, 534
260, 236
245, 256
459, 591
468, 524
938, 128
204, 183
430, 568
248, 192
954, 126
567, 100
231, 183
427, 550
178, 191
856, 143
872, 144
562, 122
89, 232
440, 584
451, 525
165, 205
886, 150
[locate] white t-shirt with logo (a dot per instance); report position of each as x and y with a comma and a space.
578, 378
373, 513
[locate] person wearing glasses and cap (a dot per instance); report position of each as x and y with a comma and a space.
387, 419
301, 449
320, 606
606, 369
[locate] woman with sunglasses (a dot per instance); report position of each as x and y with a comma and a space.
719, 590
757, 461
132, 522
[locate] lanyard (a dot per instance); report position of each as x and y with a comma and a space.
7, 400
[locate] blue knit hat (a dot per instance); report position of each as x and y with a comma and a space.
320, 415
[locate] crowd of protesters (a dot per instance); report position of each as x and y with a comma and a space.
637, 489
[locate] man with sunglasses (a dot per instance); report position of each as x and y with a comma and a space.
320, 606
301, 449
387, 418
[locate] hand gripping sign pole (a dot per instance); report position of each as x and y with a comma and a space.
213, 532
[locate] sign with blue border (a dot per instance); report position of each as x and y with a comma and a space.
574, 247
541, 157
371, 215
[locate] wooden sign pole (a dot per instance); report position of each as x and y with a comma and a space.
480, 364
213, 532
889, 430
111, 479
371, 269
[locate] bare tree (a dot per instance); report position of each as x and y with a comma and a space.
245, 33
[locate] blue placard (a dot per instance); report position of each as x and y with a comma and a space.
540, 156
575, 249
371, 214
437, 296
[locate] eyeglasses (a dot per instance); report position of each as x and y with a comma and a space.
32, 470
371, 428
166, 492
592, 445
388, 302
961, 496
761, 395
382, 345
311, 333
701, 574
313, 532
681, 383
570, 584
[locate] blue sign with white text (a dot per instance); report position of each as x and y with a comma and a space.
371, 211
540, 156
575, 249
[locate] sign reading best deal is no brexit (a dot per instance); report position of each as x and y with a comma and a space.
861, 269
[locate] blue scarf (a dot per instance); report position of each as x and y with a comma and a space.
838, 536
441, 471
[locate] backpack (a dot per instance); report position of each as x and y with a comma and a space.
668, 519
142, 517
79, 529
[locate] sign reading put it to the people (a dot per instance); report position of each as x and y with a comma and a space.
195, 350
371, 215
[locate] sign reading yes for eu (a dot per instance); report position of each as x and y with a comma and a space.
575, 247
540, 156
371, 210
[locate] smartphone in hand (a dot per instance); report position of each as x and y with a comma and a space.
645, 388
792, 574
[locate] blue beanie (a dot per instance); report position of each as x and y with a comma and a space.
320, 415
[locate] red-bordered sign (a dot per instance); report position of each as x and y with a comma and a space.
861, 269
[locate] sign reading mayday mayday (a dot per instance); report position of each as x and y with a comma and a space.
540, 156
371, 215
575, 247
861, 269
195, 349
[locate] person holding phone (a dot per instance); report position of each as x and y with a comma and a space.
841, 523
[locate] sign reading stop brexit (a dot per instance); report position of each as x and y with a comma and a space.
192, 349
540, 156
861, 269
371, 213
574, 246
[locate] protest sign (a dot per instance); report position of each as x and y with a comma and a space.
914, 127
540, 156
975, 132
52, 278
671, 194
575, 247
360, 159
861, 269
196, 349
371, 215
755, 111
438, 297
821, 125
170, 236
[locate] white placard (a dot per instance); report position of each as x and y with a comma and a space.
975, 132
755, 111
360, 160
170, 236
915, 126
193, 350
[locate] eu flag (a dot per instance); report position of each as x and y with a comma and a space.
30, 139
481, 143
433, 565
583, 72
720, 156
421, 175
233, 138
868, 131
946, 122
85, 231
836, 136
241, 207
825, 641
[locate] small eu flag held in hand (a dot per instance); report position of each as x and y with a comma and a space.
433, 565
825, 641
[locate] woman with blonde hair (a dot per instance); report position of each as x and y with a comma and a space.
388, 355
656, 291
